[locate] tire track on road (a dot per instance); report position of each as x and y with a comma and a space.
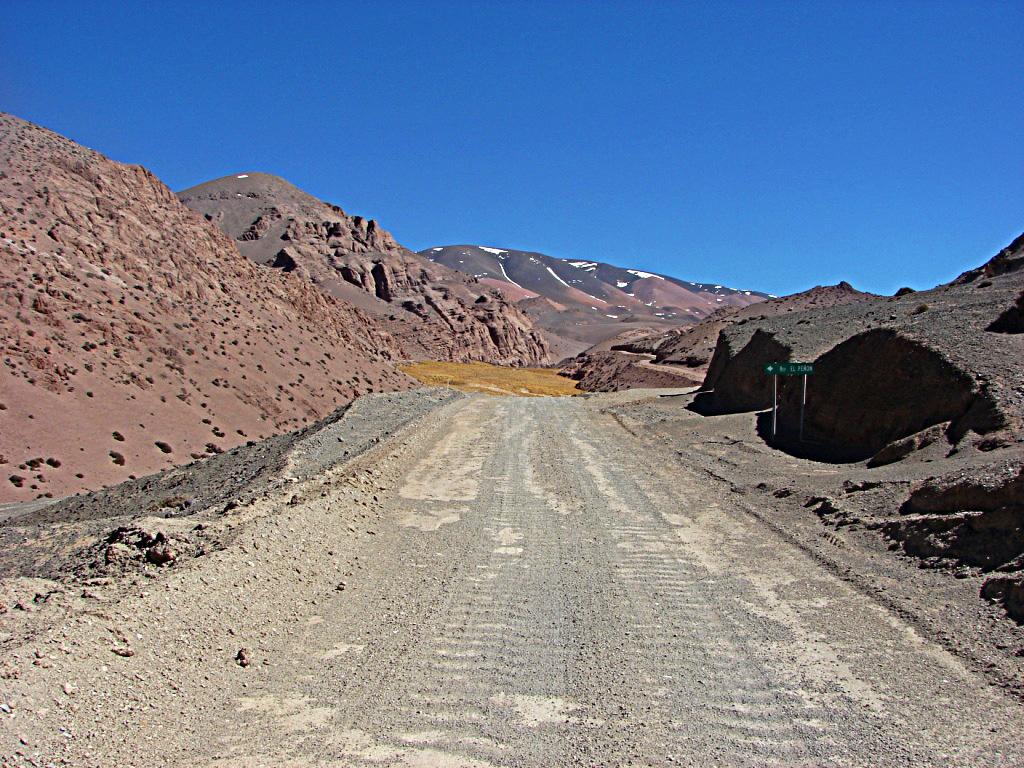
549, 595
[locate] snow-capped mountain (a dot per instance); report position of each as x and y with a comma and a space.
587, 301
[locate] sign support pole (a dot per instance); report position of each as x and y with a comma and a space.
803, 403
775, 403
787, 368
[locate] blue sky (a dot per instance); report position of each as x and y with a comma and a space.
762, 145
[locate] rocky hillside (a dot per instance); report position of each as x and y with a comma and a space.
136, 336
431, 311
922, 379
891, 366
581, 303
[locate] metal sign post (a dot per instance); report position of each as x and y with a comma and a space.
803, 405
775, 403
788, 369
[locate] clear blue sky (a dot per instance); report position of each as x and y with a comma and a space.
761, 145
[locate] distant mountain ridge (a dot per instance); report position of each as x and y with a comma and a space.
622, 287
585, 301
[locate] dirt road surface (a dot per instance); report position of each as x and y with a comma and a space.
526, 584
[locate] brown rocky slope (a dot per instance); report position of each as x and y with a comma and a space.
885, 368
926, 386
136, 336
433, 312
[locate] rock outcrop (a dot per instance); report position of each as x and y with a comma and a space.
442, 318
1010, 259
880, 386
885, 368
614, 371
432, 312
730, 378
137, 337
897, 450
971, 518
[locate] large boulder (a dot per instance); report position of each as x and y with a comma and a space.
881, 386
736, 381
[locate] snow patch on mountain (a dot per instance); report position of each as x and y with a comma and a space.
549, 269
505, 275
641, 273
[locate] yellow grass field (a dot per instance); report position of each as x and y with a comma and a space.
493, 379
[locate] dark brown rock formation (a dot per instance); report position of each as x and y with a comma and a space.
1008, 260
885, 368
971, 518
880, 386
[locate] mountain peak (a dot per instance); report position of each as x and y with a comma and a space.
251, 186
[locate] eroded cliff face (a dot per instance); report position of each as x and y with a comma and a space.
136, 336
433, 312
450, 319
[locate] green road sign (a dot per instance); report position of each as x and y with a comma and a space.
788, 369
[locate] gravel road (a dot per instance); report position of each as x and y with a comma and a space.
536, 587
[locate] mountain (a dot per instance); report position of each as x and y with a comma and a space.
580, 303
432, 312
136, 336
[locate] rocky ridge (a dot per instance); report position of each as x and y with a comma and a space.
431, 311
